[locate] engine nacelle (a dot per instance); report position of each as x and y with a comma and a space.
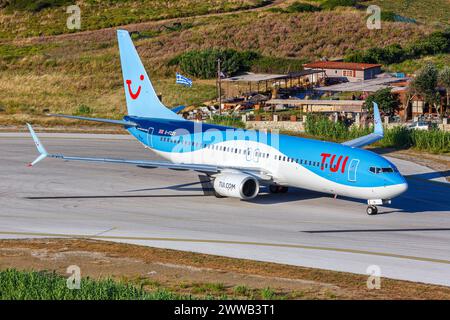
236, 185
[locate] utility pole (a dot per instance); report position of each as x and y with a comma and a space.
219, 84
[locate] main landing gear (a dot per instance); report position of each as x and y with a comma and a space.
372, 210
273, 188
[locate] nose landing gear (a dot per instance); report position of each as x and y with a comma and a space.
372, 210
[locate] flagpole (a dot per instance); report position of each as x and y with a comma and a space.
219, 82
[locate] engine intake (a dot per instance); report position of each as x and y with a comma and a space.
237, 185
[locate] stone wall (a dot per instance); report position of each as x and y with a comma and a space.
276, 125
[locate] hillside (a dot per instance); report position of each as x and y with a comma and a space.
80, 72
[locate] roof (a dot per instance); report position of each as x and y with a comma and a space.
302, 73
255, 77
341, 65
302, 102
371, 85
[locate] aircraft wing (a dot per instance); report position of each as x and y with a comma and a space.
209, 169
378, 132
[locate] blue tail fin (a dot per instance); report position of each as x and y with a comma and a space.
141, 98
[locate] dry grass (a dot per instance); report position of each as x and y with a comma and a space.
103, 14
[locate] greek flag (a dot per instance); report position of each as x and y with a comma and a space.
183, 80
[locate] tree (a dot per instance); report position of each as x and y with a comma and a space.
386, 101
203, 63
425, 83
444, 80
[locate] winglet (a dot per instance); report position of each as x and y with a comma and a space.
377, 134
39, 146
378, 125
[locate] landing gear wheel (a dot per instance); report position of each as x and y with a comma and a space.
372, 210
283, 189
277, 189
218, 195
273, 188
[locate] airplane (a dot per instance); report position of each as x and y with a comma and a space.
238, 161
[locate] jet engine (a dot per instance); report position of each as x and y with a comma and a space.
236, 185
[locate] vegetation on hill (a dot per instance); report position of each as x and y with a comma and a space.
430, 12
61, 73
48, 17
436, 43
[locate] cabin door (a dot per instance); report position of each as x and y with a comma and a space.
352, 170
150, 137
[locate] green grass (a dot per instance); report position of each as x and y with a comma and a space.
242, 290
268, 294
434, 141
227, 121
31, 285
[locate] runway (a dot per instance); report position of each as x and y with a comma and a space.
409, 240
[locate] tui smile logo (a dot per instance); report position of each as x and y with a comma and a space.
134, 96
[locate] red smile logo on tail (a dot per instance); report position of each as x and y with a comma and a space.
134, 96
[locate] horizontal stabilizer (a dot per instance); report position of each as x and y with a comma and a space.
119, 122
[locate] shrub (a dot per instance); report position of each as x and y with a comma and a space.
36, 5
203, 63
331, 4
267, 294
302, 7
387, 15
276, 65
83, 110
241, 290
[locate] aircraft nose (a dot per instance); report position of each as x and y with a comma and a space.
403, 187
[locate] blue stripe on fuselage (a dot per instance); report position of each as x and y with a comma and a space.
312, 151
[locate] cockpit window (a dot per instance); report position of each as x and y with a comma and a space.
377, 170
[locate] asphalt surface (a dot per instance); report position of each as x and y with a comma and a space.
409, 240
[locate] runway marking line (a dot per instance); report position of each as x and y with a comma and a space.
263, 244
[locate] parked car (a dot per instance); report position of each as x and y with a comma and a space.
419, 125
